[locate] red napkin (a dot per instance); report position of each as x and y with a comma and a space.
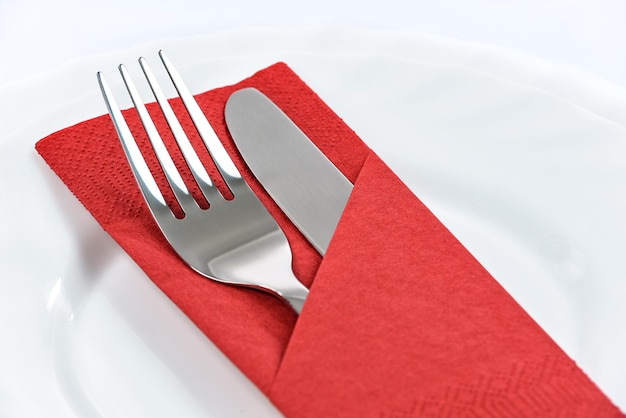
401, 320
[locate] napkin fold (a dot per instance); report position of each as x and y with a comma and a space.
401, 320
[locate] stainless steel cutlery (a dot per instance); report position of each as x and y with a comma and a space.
302, 181
234, 241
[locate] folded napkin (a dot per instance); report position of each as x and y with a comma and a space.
401, 320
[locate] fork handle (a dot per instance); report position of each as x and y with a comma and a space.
296, 297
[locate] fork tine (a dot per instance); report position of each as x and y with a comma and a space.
193, 162
220, 157
174, 179
143, 176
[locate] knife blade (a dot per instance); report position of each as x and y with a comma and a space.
304, 183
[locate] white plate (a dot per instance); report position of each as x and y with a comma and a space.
525, 162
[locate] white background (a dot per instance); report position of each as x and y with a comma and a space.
36, 35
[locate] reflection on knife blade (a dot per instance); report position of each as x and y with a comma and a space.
296, 174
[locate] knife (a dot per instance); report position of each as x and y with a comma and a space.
308, 188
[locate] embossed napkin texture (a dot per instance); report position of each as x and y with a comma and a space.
401, 320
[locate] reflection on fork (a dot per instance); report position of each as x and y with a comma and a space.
234, 241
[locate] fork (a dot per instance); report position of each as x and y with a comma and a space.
235, 241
